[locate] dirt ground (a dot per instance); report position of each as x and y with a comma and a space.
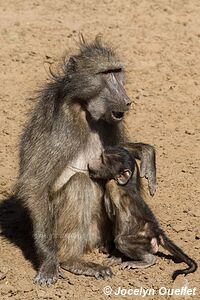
159, 42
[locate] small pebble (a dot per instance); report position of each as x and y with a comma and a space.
179, 227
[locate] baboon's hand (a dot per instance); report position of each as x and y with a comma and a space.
102, 272
91, 269
148, 169
147, 155
48, 274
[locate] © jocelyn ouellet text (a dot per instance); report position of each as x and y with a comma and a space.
142, 292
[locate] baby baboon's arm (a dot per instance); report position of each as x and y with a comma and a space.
147, 155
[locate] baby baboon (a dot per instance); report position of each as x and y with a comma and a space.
137, 233
78, 113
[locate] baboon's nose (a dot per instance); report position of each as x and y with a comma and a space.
127, 101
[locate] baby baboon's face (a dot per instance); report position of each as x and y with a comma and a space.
114, 163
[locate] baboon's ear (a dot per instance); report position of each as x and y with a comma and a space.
72, 63
124, 177
82, 40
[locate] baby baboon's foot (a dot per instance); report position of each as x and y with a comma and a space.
137, 264
114, 260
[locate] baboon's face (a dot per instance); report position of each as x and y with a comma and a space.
105, 167
112, 102
114, 163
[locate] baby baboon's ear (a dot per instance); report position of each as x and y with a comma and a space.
124, 177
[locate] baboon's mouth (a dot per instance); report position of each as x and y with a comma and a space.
117, 115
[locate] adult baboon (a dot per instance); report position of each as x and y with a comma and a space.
77, 115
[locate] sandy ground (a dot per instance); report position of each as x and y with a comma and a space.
159, 41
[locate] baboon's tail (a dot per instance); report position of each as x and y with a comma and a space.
180, 255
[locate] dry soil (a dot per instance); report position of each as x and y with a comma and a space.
159, 42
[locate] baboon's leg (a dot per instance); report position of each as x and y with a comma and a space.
135, 248
147, 260
75, 202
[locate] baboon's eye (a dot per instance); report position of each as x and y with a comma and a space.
103, 158
112, 71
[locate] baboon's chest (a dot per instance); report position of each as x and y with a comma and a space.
79, 163
92, 150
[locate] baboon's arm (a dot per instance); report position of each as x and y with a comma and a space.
147, 155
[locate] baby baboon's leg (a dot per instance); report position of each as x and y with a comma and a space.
147, 260
74, 216
135, 248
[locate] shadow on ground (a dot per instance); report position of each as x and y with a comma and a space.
15, 225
